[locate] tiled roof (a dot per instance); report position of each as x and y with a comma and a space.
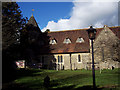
32, 21
73, 35
32, 25
116, 31
72, 47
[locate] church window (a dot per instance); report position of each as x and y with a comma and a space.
67, 41
79, 40
60, 59
79, 58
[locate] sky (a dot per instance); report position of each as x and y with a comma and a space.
58, 16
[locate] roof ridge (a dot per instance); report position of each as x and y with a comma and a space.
114, 26
80, 29
68, 30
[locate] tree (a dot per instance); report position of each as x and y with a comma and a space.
12, 23
47, 30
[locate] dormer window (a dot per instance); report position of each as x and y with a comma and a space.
53, 41
80, 40
67, 41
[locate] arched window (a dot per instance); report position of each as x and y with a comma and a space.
60, 59
79, 58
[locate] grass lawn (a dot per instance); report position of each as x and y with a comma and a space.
80, 79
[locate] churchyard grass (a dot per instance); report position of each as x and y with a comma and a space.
67, 79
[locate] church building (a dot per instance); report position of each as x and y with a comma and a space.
71, 49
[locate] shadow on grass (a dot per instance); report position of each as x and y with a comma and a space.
56, 83
62, 81
72, 87
26, 72
37, 84
11, 85
14, 86
12, 75
88, 88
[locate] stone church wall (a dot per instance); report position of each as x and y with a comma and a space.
70, 61
107, 49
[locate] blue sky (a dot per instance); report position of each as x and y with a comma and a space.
46, 11
58, 16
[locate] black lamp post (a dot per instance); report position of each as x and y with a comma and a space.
91, 33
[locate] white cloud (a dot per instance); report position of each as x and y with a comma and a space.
85, 14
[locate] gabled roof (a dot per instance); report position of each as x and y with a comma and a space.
73, 35
114, 29
32, 21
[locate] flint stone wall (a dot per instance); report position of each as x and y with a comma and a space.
107, 49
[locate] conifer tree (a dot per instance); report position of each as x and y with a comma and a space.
12, 24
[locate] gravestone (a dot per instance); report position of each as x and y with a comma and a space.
47, 81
